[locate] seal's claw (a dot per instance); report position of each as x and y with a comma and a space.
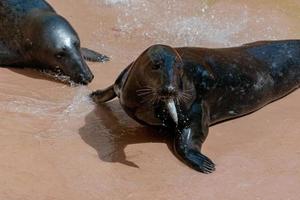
199, 162
102, 96
98, 96
95, 95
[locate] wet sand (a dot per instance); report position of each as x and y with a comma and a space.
56, 145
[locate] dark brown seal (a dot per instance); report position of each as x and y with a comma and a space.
32, 34
188, 89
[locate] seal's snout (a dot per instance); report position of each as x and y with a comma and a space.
168, 91
167, 95
79, 70
85, 78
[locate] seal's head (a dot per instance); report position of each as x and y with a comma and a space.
163, 80
54, 43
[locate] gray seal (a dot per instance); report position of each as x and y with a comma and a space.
32, 34
186, 90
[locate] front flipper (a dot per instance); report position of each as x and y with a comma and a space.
93, 56
101, 96
189, 140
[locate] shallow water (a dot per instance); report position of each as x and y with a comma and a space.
56, 144
204, 22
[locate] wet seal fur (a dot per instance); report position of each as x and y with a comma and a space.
188, 89
32, 34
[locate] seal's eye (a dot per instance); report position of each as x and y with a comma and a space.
157, 65
60, 55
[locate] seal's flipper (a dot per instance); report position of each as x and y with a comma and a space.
188, 141
101, 96
93, 56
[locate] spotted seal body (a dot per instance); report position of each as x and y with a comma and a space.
32, 34
188, 89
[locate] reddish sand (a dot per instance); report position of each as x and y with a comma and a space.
56, 145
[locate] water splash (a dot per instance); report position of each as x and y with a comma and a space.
114, 2
61, 115
73, 113
198, 30
192, 23
29, 106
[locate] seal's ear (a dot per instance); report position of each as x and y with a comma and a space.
93, 56
102, 96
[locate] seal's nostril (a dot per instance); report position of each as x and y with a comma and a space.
82, 79
85, 78
168, 91
171, 89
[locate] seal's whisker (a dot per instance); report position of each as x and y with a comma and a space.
144, 93
185, 99
180, 99
177, 99
153, 100
186, 96
145, 101
149, 100
146, 98
157, 99
189, 89
143, 90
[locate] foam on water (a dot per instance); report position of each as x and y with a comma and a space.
60, 114
113, 2
74, 111
189, 22
196, 30
29, 106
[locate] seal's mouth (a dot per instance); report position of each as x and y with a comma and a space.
58, 74
169, 97
82, 77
